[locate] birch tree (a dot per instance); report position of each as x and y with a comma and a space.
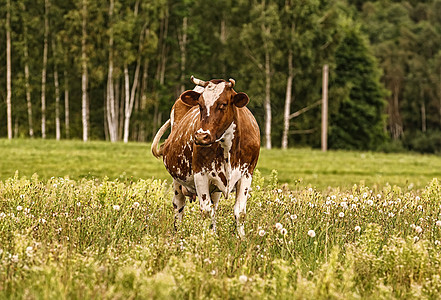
84, 74
8, 69
44, 69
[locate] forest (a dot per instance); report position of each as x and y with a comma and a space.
111, 69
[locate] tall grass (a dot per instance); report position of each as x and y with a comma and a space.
114, 239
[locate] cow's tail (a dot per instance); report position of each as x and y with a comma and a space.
157, 152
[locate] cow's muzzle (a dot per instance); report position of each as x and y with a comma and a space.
203, 138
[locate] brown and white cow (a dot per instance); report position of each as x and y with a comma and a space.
212, 149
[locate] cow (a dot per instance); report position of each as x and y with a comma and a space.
212, 149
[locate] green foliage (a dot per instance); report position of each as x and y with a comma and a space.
357, 122
64, 238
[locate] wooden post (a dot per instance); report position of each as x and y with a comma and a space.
325, 109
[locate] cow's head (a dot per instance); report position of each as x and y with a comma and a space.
217, 104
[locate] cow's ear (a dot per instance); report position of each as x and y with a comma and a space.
241, 99
190, 98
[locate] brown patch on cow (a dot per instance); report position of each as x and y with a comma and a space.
175, 206
223, 178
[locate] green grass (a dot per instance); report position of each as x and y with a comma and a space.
297, 167
97, 223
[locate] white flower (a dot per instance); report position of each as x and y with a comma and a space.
416, 239
357, 228
311, 233
243, 278
135, 204
412, 226
341, 214
438, 223
279, 191
420, 207
379, 196
2, 215
354, 206
29, 251
279, 226
437, 243
391, 215
14, 258
365, 195
284, 231
417, 198
293, 217
370, 202
79, 219
344, 204
418, 229
42, 220
262, 232
213, 272
19, 208
78, 204
116, 207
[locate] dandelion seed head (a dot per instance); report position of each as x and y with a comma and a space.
417, 198
357, 228
311, 233
293, 217
370, 202
438, 223
261, 232
243, 279
116, 207
283, 231
2, 215
341, 214
437, 243
416, 239
19, 208
418, 229
279, 226
135, 204
391, 215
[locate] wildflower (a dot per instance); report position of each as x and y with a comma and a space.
116, 207
379, 196
420, 207
262, 232
293, 217
78, 204
365, 195
437, 243
391, 215
243, 278
279, 226
418, 229
357, 228
438, 223
79, 219
341, 214
284, 231
311, 233
14, 258
213, 272
344, 204
19, 208
42, 220
416, 239
417, 198
207, 260
135, 204
2, 215
370, 202
354, 206
29, 251
279, 191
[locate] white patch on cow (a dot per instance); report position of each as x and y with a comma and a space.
200, 130
172, 118
226, 140
211, 93
240, 207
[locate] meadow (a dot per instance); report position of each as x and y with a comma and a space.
95, 221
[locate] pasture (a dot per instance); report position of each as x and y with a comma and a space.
97, 222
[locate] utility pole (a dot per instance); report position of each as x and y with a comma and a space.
325, 109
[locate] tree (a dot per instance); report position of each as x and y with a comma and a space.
44, 69
84, 74
8, 69
357, 121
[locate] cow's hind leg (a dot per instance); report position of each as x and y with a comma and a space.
240, 208
178, 202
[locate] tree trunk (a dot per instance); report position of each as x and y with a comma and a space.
288, 97
66, 99
43, 72
112, 115
8, 70
267, 101
57, 95
84, 102
183, 47
423, 117
27, 84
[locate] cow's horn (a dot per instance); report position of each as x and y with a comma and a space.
198, 81
232, 82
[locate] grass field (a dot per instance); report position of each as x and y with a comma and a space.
297, 167
105, 231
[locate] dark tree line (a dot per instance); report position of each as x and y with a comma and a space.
111, 69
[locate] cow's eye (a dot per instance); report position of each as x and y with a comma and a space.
222, 106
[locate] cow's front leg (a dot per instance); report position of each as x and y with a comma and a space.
215, 201
240, 208
178, 202
202, 189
